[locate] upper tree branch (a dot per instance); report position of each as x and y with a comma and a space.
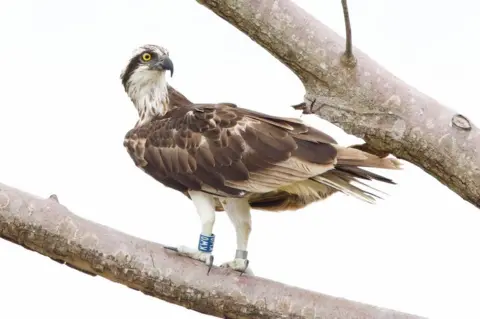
366, 101
45, 226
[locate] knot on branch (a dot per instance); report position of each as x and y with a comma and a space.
54, 197
348, 60
461, 122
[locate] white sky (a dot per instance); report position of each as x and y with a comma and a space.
64, 114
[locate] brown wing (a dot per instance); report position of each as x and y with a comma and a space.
229, 151
177, 99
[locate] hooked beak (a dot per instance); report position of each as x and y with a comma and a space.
164, 65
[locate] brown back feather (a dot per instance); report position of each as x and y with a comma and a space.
197, 145
176, 98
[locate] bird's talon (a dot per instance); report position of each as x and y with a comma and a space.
193, 253
209, 264
246, 266
240, 265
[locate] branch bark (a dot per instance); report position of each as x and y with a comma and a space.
49, 228
367, 100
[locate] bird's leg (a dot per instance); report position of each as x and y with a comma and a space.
238, 210
205, 206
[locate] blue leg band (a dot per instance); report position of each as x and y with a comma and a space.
205, 243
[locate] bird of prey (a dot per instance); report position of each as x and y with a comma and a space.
227, 158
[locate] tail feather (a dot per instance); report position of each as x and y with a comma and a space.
345, 187
348, 178
346, 174
363, 174
348, 156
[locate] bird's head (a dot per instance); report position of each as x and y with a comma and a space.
147, 66
144, 80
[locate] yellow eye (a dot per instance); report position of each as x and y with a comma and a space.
146, 57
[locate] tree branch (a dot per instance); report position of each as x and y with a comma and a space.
49, 228
366, 101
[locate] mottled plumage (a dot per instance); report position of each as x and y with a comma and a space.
232, 154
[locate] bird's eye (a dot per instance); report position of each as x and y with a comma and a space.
146, 57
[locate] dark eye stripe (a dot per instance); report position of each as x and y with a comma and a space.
134, 63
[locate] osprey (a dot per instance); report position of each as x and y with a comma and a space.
228, 158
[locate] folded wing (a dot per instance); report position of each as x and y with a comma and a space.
228, 151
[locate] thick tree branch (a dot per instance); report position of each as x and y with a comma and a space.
366, 101
49, 228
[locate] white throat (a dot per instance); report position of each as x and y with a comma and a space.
149, 93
